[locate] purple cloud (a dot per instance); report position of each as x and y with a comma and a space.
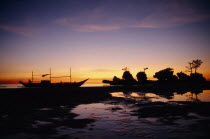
172, 14
167, 14
24, 31
92, 28
64, 21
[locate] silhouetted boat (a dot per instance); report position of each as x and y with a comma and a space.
48, 84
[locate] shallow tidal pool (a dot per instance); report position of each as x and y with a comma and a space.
118, 118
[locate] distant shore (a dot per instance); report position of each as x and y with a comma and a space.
97, 90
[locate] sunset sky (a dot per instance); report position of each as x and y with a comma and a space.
97, 38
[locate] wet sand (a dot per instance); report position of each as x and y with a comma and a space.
45, 113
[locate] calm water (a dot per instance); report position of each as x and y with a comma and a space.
115, 121
11, 86
203, 96
115, 118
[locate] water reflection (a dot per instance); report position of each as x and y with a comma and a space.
121, 118
127, 114
193, 96
112, 120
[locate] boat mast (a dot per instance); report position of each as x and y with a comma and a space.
70, 75
50, 75
32, 76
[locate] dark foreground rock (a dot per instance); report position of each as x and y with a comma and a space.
161, 109
41, 111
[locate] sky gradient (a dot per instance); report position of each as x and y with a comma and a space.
97, 38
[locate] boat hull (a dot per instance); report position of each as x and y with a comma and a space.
53, 85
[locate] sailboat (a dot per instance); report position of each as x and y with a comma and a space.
48, 84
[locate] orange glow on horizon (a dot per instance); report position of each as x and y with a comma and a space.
96, 73
95, 76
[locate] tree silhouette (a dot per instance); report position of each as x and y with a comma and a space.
182, 76
145, 69
141, 76
197, 77
173, 77
196, 64
165, 74
125, 69
189, 68
127, 76
116, 80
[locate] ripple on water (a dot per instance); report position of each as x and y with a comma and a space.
202, 95
117, 119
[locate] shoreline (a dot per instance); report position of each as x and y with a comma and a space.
101, 89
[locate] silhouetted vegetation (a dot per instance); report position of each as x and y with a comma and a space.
194, 77
166, 78
141, 77
189, 68
195, 64
197, 77
183, 77
115, 79
128, 77
165, 74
